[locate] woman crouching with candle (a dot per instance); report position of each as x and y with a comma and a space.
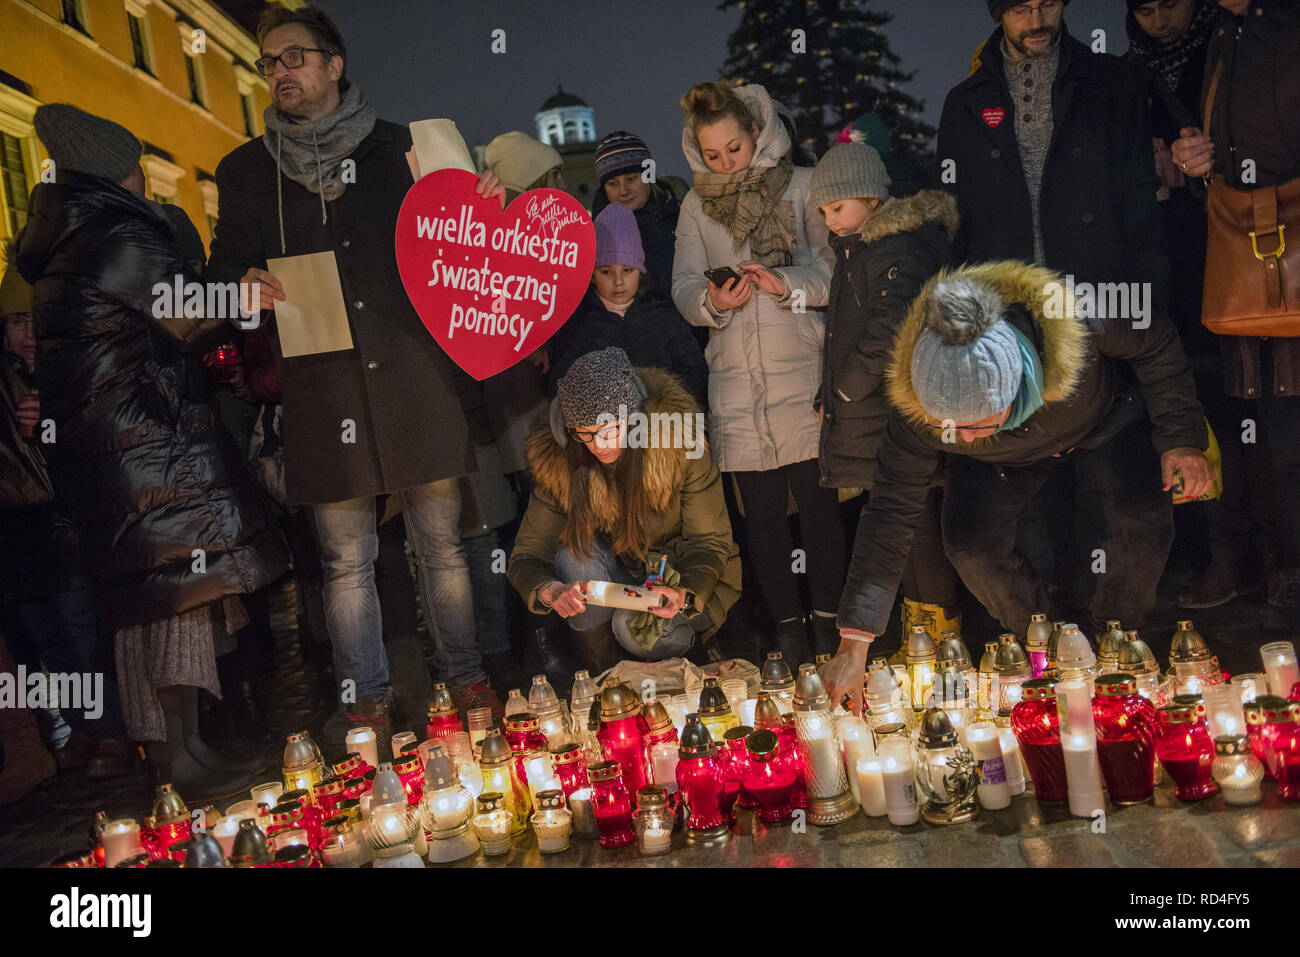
622, 472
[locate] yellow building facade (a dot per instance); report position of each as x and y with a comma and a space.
178, 74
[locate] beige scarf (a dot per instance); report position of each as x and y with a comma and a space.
749, 204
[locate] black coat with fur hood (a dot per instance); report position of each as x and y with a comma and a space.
689, 519
1089, 396
879, 270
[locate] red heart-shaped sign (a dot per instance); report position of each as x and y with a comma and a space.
993, 115
492, 285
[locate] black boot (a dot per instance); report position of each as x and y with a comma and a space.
597, 650
554, 663
792, 642
410, 680
171, 762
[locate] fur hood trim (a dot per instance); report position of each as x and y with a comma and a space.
664, 470
911, 213
991, 288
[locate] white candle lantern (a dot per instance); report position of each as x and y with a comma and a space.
1280, 666
986, 747
364, 742
121, 840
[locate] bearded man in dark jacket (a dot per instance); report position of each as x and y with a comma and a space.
171, 525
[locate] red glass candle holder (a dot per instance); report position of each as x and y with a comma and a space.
411, 774
1186, 751
569, 767
523, 733
1262, 728
1282, 728
1037, 728
737, 766
1126, 738
701, 784
328, 794
611, 804
793, 761
1295, 692
623, 739
768, 781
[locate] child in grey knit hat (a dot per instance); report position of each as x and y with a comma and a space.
849, 184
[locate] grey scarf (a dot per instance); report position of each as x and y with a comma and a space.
312, 152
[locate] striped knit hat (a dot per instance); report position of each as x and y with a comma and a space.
618, 153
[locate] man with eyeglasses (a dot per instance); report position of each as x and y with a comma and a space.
381, 417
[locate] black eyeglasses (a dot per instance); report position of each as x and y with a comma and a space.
292, 59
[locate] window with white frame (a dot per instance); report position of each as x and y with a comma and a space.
74, 15
137, 23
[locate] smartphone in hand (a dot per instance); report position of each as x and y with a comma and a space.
721, 276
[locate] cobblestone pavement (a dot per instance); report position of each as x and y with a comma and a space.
1163, 834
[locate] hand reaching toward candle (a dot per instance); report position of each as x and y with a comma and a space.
564, 600
845, 673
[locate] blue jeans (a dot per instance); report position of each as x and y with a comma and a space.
676, 634
349, 544
490, 594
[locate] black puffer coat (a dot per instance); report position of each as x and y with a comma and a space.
146, 469
878, 272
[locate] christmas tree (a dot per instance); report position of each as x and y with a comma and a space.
829, 62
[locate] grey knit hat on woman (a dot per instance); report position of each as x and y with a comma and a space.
849, 171
966, 364
81, 141
598, 383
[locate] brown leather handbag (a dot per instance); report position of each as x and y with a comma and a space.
1252, 275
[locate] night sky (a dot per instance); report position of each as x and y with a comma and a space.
631, 60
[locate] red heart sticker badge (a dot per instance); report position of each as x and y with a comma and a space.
993, 115
492, 285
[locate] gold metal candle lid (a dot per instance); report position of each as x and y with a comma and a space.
735, 737
490, 801
651, 796
1054, 640
440, 702
1010, 658
1180, 713
168, 808
1038, 689
351, 807
1039, 633
1116, 685
523, 721
550, 800
1188, 645
607, 770
286, 812
1108, 644
338, 824
406, 763
767, 713
1232, 744
936, 730
894, 728
775, 674
713, 700
566, 754
619, 701
300, 752
656, 716
809, 692
951, 652
1278, 710
920, 646
1134, 657
762, 744
330, 787
696, 741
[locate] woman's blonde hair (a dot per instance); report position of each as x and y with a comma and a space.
707, 103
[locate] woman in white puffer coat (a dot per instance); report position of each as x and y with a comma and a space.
750, 209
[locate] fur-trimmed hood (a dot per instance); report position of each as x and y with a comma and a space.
901, 215
664, 468
1061, 340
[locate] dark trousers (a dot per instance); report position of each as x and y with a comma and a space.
928, 576
1278, 428
771, 545
985, 506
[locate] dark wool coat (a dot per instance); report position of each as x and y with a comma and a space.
689, 522
1257, 116
878, 272
1088, 398
652, 333
1097, 207
397, 385
140, 456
